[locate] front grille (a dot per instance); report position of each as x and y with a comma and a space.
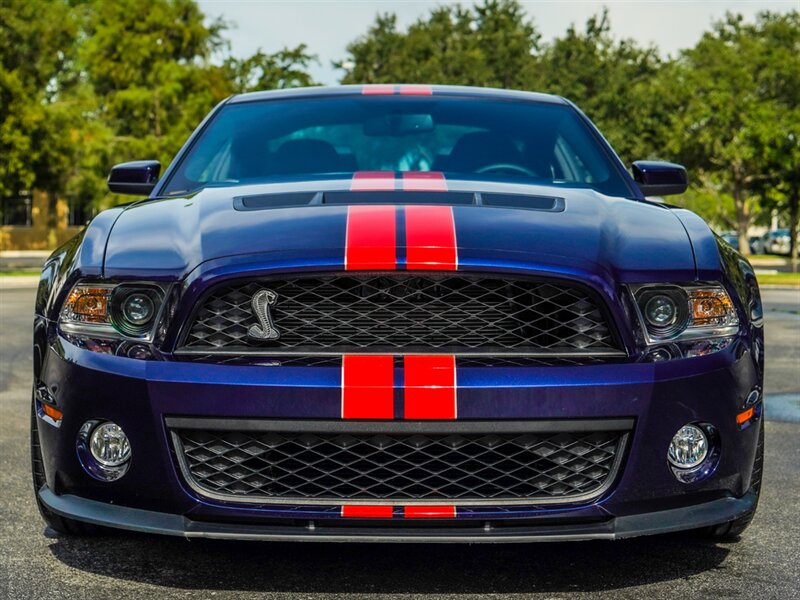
428, 313
313, 466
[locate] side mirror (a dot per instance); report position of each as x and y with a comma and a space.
137, 178
657, 178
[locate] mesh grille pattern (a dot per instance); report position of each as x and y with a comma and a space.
432, 312
248, 466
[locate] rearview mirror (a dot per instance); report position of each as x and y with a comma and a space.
137, 178
656, 178
398, 124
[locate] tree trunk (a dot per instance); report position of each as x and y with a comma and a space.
157, 114
794, 208
742, 217
52, 210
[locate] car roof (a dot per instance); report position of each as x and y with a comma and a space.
412, 89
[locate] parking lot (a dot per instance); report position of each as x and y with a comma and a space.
36, 563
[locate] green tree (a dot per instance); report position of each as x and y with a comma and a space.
617, 83
491, 44
87, 83
155, 70
148, 65
735, 129
286, 68
36, 58
779, 76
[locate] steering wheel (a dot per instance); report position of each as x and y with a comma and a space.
506, 167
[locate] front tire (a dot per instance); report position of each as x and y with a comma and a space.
56, 522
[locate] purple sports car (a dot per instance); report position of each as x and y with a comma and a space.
402, 313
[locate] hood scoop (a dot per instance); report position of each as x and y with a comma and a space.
265, 201
523, 201
339, 198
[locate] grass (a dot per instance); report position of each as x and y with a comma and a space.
768, 257
790, 279
20, 273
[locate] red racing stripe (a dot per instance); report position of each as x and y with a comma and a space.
416, 90
424, 181
371, 238
357, 511
431, 238
378, 89
372, 181
429, 512
367, 387
430, 387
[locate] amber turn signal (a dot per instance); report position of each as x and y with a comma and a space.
710, 307
744, 417
89, 304
52, 412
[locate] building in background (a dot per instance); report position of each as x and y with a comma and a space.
33, 221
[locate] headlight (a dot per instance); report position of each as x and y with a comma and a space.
685, 312
665, 310
121, 311
138, 309
134, 308
86, 309
661, 311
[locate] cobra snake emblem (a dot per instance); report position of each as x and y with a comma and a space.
265, 329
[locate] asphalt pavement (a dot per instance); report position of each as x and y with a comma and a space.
764, 564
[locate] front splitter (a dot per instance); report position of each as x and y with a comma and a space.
145, 521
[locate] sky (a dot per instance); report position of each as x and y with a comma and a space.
327, 26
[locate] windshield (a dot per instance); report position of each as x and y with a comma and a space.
276, 140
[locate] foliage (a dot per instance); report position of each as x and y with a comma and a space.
284, 69
36, 51
739, 126
487, 45
86, 83
781, 279
615, 82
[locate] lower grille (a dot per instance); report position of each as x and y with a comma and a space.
462, 466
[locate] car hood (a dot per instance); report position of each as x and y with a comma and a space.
581, 231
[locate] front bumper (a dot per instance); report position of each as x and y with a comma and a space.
613, 528
153, 496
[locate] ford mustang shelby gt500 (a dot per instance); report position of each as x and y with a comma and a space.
397, 312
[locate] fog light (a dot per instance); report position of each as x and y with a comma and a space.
658, 355
139, 352
689, 447
109, 445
